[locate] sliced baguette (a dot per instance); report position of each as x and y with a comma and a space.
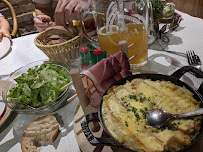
42, 129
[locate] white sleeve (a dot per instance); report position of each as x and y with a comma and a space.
42, 1
1, 15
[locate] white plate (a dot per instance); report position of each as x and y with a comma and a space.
2, 106
7, 110
5, 45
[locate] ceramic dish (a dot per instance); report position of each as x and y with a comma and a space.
5, 45
6, 111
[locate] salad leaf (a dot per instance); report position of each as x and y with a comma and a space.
39, 86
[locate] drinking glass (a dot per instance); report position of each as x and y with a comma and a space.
133, 20
118, 20
105, 16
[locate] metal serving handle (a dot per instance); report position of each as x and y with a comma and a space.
90, 137
198, 112
198, 73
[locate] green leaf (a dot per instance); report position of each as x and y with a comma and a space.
39, 86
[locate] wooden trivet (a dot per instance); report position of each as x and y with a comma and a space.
84, 144
82, 141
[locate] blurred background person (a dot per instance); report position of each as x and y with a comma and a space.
43, 14
4, 28
65, 12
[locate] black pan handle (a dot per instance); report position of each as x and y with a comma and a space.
198, 73
90, 137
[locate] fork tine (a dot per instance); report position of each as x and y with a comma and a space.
193, 56
189, 57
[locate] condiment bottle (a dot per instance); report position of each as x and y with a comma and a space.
97, 52
85, 56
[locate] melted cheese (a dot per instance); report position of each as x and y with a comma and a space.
124, 109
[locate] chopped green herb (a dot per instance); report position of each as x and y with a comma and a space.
134, 109
173, 127
133, 97
154, 103
125, 102
142, 99
138, 116
143, 112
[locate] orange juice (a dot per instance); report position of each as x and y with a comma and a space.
132, 33
108, 39
135, 33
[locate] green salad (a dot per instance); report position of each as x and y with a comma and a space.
39, 86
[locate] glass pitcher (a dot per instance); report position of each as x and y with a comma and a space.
133, 20
118, 20
105, 16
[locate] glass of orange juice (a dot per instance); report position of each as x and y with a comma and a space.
105, 16
118, 20
133, 27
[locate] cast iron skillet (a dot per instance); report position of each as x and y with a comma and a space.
174, 78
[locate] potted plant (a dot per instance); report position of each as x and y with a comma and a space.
157, 6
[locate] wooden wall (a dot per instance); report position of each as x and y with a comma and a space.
192, 7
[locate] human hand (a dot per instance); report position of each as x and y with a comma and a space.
65, 9
4, 33
42, 22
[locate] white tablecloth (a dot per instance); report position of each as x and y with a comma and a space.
188, 36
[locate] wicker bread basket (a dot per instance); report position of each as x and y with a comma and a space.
63, 51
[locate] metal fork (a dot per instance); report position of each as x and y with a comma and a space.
193, 59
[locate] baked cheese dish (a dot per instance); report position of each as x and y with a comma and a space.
125, 107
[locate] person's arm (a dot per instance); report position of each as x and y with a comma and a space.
66, 9
44, 9
44, 12
4, 28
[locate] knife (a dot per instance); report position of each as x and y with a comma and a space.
178, 64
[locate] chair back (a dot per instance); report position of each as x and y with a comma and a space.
15, 23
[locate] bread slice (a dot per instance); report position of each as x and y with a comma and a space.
42, 129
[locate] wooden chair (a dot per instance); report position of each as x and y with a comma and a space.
15, 24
